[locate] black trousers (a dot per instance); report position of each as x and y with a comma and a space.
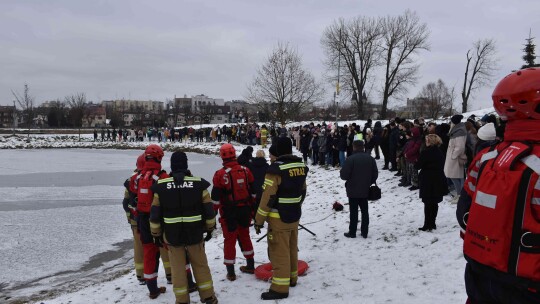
482, 289
376, 148
431, 208
392, 158
354, 203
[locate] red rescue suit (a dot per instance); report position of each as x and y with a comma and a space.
499, 213
235, 209
151, 251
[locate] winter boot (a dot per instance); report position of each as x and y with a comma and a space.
231, 275
433, 216
192, 287
427, 211
349, 235
160, 290
141, 280
210, 300
250, 267
273, 295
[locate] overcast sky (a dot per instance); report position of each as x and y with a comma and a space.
158, 49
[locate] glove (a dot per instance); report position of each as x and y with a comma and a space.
158, 241
208, 236
258, 228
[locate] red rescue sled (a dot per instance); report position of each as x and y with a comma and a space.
264, 271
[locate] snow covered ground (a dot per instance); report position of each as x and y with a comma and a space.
61, 217
395, 264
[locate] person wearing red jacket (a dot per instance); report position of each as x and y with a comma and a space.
499, 206
129, 203
233, 196
148, 176
411, 153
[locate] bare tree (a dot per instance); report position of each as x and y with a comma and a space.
26, 102
77, 104
437, 98
403, 38
283, 81
355, 45
481, 63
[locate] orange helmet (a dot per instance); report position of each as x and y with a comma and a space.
517, 96
227, 151
153, 152
140, 161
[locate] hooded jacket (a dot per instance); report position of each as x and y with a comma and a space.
454, 166
412, 149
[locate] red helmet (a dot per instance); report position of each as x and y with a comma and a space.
140, 161
517, 96
227, 151
153, 152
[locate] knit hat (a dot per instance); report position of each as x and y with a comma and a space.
456, 119
248, 151
273, 150
179, 161
487, 132
284, 146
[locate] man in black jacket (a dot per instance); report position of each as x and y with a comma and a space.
181, 212
359, 172
393, 145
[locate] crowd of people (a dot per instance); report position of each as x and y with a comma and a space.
174, 210
169, 214
440, 152
249, 134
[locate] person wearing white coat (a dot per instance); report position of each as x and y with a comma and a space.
454, 166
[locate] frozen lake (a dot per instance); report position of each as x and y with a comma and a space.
61, 214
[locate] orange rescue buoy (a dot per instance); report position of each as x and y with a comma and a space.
264, 271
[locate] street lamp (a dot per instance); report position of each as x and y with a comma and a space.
14, 116
354, 99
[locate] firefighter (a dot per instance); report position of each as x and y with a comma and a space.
150, 173
264, 136
284, 191
130, 207
181, 212
499, 206
234, 195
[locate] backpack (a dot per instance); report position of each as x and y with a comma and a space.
503, 227
238, 191
144, 183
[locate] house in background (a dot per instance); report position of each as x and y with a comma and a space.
94, 117
8, 114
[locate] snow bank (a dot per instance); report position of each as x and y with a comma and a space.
395, 264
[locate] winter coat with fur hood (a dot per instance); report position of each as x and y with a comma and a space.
454, 166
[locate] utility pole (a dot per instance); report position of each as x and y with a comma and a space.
14, 116
336, 93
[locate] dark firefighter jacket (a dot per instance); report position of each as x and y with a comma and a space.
181, 209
